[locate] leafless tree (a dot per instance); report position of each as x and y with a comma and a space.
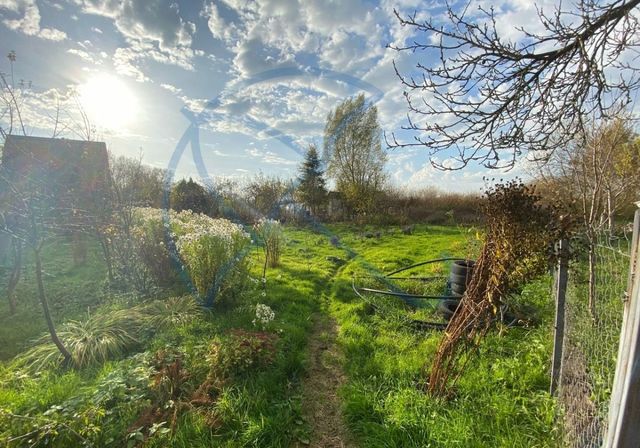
132, 184
593, 177
488, 99
30, 213
34, 209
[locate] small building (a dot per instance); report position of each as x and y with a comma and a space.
62, 164
69, 175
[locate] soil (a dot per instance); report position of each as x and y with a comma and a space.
320, 401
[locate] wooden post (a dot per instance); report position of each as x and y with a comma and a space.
560, 292
624, 407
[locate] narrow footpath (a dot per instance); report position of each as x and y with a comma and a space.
321, 404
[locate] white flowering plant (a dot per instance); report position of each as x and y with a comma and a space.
211, 250
264, 315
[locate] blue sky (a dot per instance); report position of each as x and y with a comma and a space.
248, 69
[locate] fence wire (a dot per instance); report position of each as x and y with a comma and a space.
592, 332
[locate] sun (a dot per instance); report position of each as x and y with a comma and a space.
108, 102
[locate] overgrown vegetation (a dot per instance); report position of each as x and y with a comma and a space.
519, 233
232, 376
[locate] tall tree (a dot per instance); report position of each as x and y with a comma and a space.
354, 152
489, 97
136, 184
312, 186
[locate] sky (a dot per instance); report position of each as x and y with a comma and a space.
255, 78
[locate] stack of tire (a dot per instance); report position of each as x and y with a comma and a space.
459, 278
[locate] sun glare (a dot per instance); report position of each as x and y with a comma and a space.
108, 102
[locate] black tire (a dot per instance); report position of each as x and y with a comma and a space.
447, 308
458, 289
460, 279
461, 267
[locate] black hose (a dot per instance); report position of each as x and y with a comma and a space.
422, 263
404, 294
423, 279
418, 324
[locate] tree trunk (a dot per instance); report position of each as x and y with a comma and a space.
45, 308
106, 251
79, 250
14, 277
610, 212
592, 280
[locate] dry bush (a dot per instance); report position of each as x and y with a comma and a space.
428, 205
519, 233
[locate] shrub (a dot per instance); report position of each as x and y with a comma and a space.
90, 417
270, 231
190, 195
149, 235
212, 251
241, 352
266, 195
427, 206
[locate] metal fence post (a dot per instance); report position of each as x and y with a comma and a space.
560, 293
624, 408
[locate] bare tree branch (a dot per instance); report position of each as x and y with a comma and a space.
489, 99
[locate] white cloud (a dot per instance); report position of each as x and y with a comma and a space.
253, 57
171, 88
11, 5
154, 30
263, 35
270, 157
150, 20
123, 61
81, 54
29, 23
220, 29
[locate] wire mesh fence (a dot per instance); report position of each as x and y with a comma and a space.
593, 314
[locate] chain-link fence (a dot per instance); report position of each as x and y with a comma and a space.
595, 297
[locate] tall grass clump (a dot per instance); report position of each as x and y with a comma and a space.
166, 313
101, 337
110, 334
270, 231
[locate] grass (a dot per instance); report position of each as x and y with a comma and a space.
501, 400
70, 290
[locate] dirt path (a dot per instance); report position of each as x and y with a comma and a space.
320, 401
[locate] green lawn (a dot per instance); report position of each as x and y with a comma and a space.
501, 400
